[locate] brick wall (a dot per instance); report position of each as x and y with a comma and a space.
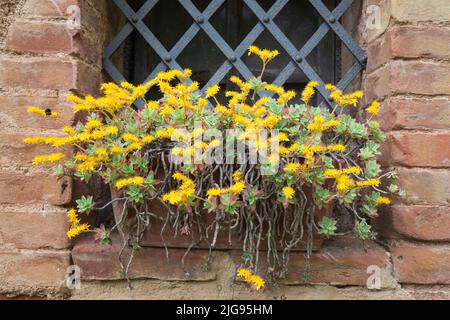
409, 70
42, 60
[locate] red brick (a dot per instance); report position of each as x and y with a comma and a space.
89, 11
53, 37
39, 37
416, 42
378, 53
49, 73
421, 264
100, 262
341, 261
377, 84
409, 42
14, 115
48, 8
25, 270
415, 113
403, 77
425, 186
38, 73
418, 149
423, 223
34, 230
20, 188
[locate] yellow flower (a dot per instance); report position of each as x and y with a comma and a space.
112, 131
134, 146
244, 273
319, 124
88, 165
223, 110
93, 124
271, 121
73, 218
352, 170
237, 176
344, 183
257, 281
265, 55
251, 278
374, 108
165, 134
292, 167
276, 89
147, 139
129, 137
369, 183
152, 105
102, 153
34, 140
69, 130
184, 192
309, 91
332, 173
54, 157
336, 148
214, 192
212, 91
383, 200
342, 99
237, 188
79, 229
134, 181
116, 149
288, 192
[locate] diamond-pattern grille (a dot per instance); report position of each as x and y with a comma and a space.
168, 56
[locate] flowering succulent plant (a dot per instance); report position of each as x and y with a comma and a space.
162, 153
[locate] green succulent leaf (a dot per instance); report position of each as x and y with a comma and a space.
364, 230
373, 169
370, 151
135, 194
327, 226
85, 204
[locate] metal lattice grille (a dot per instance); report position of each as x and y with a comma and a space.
233, 57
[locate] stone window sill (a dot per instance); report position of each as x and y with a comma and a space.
341, 261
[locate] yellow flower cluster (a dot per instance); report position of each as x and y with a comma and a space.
344, 100
264, 54
343, 181
374, 108
288, 192
369, 183
309, 91
383, 200
54, 157
320, 125
237, 187
184, 193
251, 278
76, 226
134, 181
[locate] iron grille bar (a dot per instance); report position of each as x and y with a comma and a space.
234, 57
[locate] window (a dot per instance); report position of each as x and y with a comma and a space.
211, 38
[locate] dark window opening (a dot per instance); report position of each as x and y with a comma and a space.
211, 37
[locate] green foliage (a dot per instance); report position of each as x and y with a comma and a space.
327, 226
364, 230
85, 204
